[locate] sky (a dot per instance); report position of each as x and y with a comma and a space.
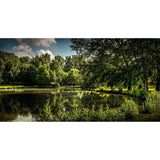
37, 46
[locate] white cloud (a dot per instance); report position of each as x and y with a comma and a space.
45, 42
44, 52
23, 50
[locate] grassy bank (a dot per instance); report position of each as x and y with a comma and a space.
14, 86
10, 86
139, 93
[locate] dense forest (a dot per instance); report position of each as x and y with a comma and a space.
122, 63
40, 70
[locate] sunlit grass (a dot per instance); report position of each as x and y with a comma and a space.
11, 86
151, 88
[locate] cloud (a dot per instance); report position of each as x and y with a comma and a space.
23, 50
44, 52
45, 42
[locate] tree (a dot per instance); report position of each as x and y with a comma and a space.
1, 70
61, 60
43, 75
56, 68
11, 71
68, 64
120, 60
74, 78
31, 74
55, 65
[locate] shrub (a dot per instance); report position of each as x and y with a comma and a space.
140, 93
86, 114
130, 109
115, 115
152, 103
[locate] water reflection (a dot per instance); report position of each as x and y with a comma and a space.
28, 105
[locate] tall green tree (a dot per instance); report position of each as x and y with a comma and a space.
43, 75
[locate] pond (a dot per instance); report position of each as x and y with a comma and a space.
28, 104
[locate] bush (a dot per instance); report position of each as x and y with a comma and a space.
152, 103
140, 93
84, 114
115, 115
130, 109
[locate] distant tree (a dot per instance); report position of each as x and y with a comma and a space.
68, 64
31, 74
43, 75
61, 60
56, 68
36, 61
11, 71
45, 59
53, 77
23, 73
1, 69
74, 78
55, 65
25, 60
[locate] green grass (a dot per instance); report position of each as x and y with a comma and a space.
4, 87
13, 86
140, 93
10, 86
151, 88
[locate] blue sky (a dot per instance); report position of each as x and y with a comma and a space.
31, 47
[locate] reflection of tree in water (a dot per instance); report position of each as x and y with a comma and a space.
12, 105
8, 108
102, 99
19, 104
7, 116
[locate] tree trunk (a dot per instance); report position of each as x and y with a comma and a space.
129, 85
157, 84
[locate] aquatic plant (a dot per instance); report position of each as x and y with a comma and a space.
130, 109
152, 103
85, 114
46, 114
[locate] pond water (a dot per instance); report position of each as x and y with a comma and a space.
28, 104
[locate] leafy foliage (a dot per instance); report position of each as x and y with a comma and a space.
152, 104
40, 70
85, 114
43, 75
130, 109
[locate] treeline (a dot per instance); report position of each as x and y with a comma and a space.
40, 70
123, 63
